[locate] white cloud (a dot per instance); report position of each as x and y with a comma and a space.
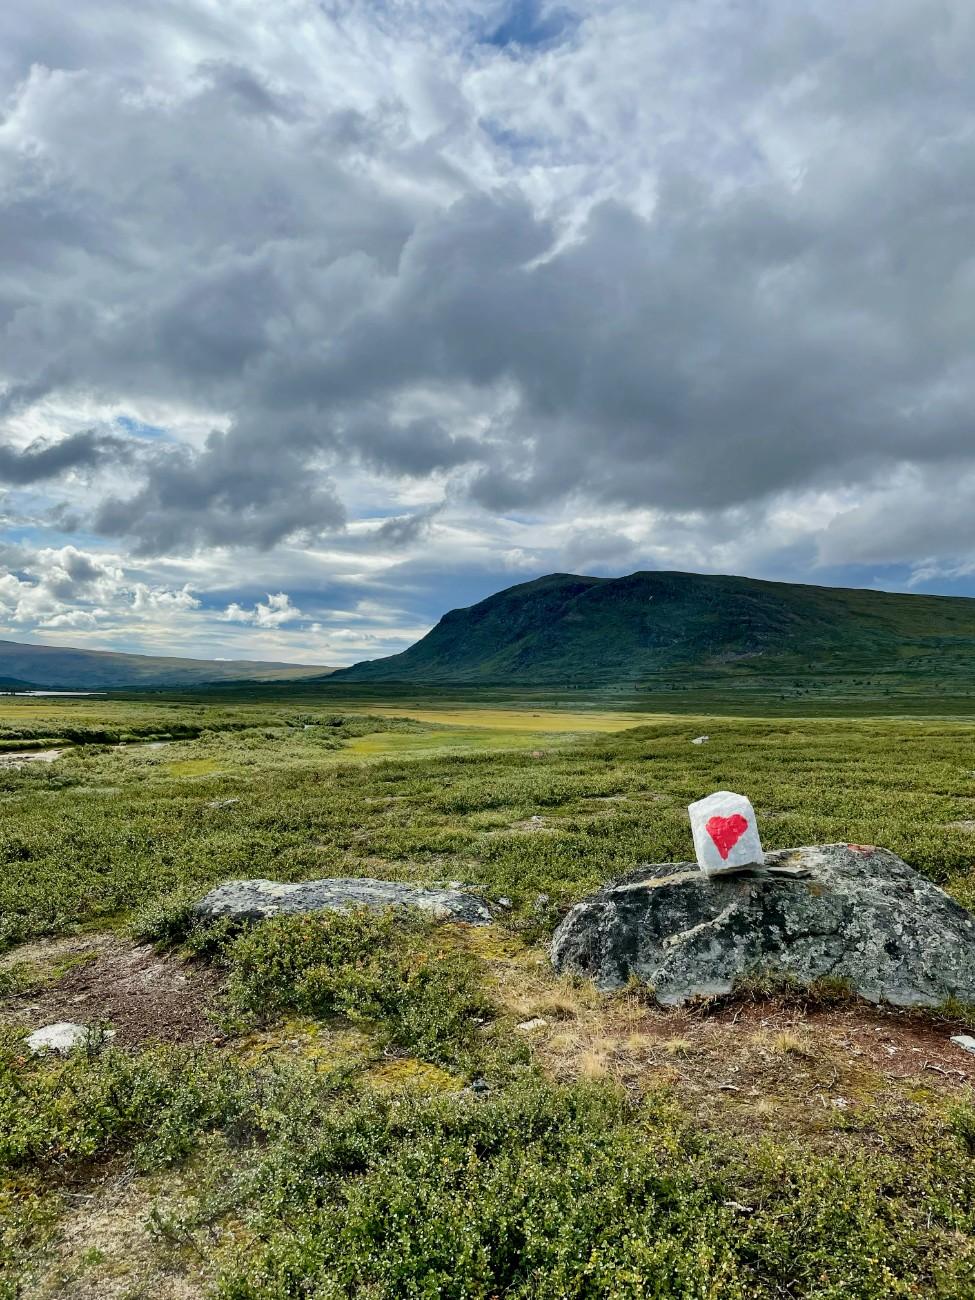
273, 612
69, 588
145, 597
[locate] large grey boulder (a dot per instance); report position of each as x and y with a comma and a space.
841, 911
253, 900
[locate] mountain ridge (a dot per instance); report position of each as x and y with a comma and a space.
583, 630
24, 666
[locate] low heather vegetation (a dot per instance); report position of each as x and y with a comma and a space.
372, 1118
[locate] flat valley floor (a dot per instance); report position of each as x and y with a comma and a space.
372, 1106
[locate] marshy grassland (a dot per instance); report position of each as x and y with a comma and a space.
373, 1106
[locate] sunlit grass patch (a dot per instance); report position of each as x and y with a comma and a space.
385, 971
194, 767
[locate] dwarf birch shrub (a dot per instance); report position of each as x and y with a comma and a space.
385, 968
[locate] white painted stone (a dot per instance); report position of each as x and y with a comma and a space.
725, 833
62, 1037
964, 1041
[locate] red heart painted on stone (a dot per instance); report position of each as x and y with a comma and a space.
726, 832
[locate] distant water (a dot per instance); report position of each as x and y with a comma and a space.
52, 692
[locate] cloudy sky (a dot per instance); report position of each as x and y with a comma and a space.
320, 318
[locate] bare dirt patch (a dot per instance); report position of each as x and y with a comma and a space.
767, 1066
532, 825
140, 993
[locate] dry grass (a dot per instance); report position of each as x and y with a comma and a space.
107, 1246
681, 1047
762, 1064
789, 1044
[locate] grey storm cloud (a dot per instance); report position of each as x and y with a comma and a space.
776, 295
416, 448
46, 460
236, 490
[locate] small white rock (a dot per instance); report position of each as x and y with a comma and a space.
725, 833
62, 1037
537, 1022
700, 740
964, 1041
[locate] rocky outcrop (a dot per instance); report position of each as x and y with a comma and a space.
253, 900
835, 911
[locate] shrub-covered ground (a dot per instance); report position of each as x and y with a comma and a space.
372, 1106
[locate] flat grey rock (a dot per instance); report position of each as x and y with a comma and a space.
840, 911
253, 900
63, 1037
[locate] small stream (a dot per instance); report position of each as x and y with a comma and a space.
17, 758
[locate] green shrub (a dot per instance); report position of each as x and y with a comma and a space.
389, 968
166, 920
534, 1190
554, 1192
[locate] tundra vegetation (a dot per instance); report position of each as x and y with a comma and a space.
373, 1105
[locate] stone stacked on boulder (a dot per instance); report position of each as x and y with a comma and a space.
725, 833
846, 912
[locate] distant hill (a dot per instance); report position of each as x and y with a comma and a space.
47, 667
582, 631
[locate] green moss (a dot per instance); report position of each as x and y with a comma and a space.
332, 1049
407, 1072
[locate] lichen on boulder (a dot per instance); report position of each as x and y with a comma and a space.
850, 913
254, 900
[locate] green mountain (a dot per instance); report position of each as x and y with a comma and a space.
47, 667
632, 631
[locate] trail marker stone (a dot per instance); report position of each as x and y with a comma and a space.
820, 910
725, 833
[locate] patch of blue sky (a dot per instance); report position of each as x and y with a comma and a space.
32, 535
532, 24
377, 513
881, 577
515, 143
313, 601
53, 534
139, 429
33, 515
901, 577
